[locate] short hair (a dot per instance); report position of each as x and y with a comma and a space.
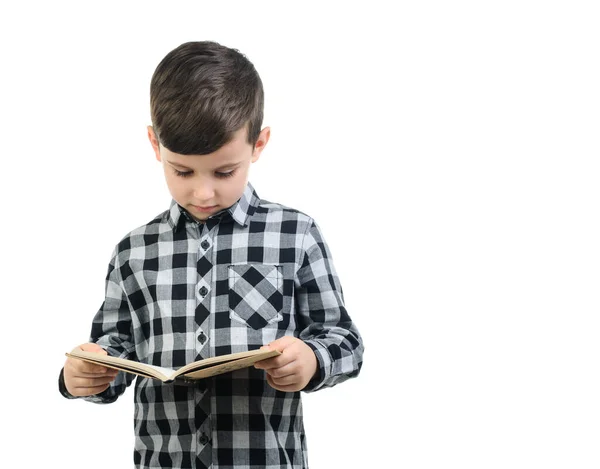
201, 93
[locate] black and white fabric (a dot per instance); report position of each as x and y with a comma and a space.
178, 291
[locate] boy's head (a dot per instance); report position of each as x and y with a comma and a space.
200, 94
207, 108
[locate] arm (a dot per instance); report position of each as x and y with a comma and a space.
111, 334
329, 349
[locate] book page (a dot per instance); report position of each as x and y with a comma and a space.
207, 362
167, 372
202, 368
226, 367
123, 364
227, 363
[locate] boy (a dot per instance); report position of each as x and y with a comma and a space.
221, 271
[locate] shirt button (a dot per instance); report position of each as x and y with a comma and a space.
203, 291
205, 244
202, 337
203, 439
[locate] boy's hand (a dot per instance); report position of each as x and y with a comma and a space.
86, 379
293, 369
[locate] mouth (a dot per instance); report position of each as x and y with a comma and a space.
207, 209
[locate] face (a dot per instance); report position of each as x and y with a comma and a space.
206, 184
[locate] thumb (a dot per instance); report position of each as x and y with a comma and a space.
280, 344
94, 348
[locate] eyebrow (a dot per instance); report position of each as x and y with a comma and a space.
220, 168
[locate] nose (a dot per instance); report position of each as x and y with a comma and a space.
204, 192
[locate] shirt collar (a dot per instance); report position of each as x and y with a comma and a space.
240, 212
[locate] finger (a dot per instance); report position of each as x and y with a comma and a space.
265, 364
75, 369
282, 371
93, 388
107, 373
287, 388
94, 348
88, 391
264, 361
81, 366
288, 380
275, 362
89, 367
282, 343
91, 382
99, 369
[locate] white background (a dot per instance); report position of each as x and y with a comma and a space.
449, 150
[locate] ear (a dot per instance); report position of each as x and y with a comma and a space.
154, 142
261, 143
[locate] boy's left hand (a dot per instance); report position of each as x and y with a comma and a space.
293, 369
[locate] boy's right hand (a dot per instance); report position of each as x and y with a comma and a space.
86, 379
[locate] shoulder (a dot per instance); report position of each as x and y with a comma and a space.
288, 219
272, 210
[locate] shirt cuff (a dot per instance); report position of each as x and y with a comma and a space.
324, 364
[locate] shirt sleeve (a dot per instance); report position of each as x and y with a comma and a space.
326, 325
112, 330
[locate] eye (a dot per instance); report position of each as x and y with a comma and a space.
183, 174
225, 175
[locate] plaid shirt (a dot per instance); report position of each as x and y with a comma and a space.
179, 291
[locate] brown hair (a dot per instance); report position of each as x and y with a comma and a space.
200, 94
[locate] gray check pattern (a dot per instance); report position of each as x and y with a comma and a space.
179, 291
255, 294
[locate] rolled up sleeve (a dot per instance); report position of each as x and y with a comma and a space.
326, 326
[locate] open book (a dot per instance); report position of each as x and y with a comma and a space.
193, 371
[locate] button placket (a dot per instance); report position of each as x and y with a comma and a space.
203, 287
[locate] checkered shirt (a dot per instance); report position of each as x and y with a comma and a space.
179, 291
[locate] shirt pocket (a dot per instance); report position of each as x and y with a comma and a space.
255, 294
